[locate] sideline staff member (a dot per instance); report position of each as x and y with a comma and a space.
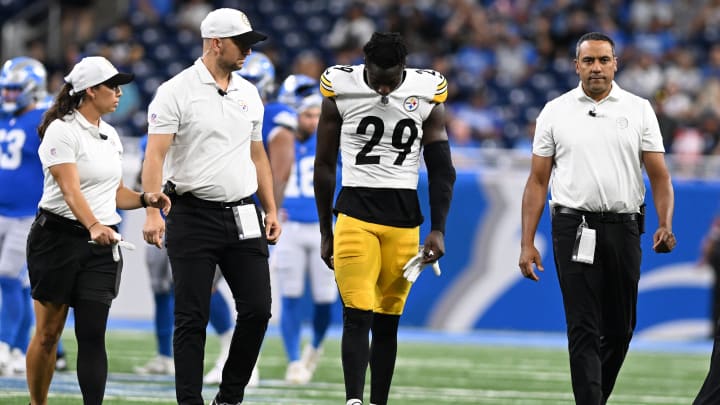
205, 126
82, 162
596, 138
379, 115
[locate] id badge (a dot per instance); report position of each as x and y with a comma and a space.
247, 221
584, 249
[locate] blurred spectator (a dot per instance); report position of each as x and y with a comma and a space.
516, 50
688, 146
642, 76
643, 13
710, 130
460, 134
569, 24
474, 62
118, 45
77, 21
192, 12
466, 21
525, 142
153, 10
515, 58
668, 125
352, 30
483, 119
712, 68
709, 98
675, 102
309, 63
683, 71
657, 40
706, 25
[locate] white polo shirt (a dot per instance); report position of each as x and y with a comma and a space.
99, 165
210, 152
597, 159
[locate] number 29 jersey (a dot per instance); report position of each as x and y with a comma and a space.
381, 137
380, 142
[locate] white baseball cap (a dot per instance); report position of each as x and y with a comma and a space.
94, 70
227, 23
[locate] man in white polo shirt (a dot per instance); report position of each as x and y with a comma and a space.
205, 128
594, 140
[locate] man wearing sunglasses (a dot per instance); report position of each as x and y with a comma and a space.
205, 133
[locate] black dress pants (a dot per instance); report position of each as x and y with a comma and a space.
710, 392
198, 238
599, 299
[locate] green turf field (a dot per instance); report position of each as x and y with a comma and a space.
426, 373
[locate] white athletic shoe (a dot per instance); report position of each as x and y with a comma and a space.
5, 359
214, 376
17, 362
254, 377
162, 365
353, 402
297, 373
311, 357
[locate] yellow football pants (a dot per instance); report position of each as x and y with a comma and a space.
368, 264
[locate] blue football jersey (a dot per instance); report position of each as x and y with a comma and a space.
21, 173
299, 200
277, 115
142, 145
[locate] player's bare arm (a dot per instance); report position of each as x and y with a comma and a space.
663, 196
152, 173
281, 152
533, 203
328, 143
265, 191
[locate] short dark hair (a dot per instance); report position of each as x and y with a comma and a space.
594, 36
385, 49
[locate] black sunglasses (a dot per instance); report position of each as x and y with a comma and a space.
240, 43
113, 87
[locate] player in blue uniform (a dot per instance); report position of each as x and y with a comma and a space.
22, 88
299, 253
279, 120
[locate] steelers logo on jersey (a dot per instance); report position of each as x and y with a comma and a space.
243, 105
411, 103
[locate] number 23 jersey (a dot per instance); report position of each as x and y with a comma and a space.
381, 137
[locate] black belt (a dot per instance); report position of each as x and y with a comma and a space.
599, 216
191, 200
59, 223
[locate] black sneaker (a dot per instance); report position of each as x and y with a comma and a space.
216, 401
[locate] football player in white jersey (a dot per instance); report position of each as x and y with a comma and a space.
380, 116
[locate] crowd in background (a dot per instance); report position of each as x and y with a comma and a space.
503, 58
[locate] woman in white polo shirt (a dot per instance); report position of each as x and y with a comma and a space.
73, 258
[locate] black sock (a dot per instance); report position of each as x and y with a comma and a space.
90, 324
355, 350
383, 352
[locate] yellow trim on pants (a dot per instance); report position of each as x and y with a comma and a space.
368, 264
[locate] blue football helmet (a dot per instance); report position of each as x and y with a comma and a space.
259, 70
295, 88
24, 81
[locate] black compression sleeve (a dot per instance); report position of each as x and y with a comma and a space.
441, 178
